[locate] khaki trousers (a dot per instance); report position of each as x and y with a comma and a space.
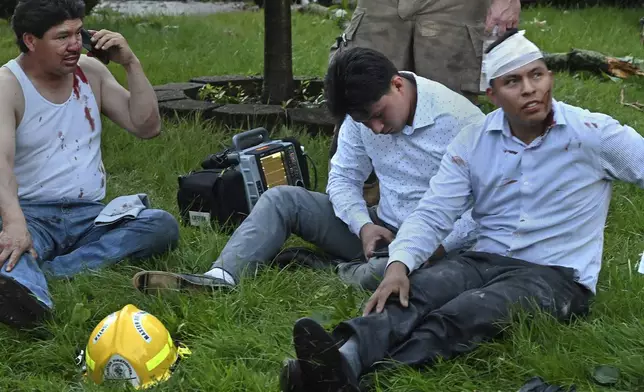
438, 39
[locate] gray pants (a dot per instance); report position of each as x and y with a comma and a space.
286, 210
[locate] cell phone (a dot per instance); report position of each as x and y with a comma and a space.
381, 253
89, 46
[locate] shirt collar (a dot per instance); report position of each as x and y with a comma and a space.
422, 118
499, 122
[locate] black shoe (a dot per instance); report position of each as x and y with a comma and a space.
291, 380
303, 257
291, 377
19, 308
157, 281
321, 365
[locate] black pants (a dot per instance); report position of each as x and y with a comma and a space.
456, 303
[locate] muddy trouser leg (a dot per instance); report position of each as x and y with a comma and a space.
456, 304
441, 41
378, 25
448, 39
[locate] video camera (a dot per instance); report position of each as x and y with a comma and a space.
232, 181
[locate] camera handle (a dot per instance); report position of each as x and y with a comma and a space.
251, 138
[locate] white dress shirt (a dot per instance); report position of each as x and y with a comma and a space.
544, 203
404, 162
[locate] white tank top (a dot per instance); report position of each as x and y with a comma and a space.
58, 147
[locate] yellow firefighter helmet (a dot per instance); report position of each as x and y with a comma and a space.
131, 345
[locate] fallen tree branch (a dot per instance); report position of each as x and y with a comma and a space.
588, 60
634, 105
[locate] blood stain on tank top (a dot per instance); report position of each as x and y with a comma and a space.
62, 140
89, 118
78, 75
76, 87
81, 74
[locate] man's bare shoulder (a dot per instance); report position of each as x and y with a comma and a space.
91, 66
9, 82
11, 92
96, 72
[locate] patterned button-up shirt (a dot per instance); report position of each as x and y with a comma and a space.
404, 162
544, 203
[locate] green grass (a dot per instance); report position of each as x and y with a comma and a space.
239, 339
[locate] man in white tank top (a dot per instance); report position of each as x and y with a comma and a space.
52, 178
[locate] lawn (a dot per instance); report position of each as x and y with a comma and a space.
239, 339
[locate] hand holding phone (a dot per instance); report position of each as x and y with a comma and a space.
102, 55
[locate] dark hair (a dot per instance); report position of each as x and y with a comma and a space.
509, 33
357, 78
37, 16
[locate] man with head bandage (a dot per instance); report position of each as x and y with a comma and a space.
538, 176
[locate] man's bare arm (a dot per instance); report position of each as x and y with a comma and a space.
14, 237
135, 108
9, 207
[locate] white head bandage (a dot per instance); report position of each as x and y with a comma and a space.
511, 54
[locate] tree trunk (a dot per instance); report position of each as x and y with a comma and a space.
588, 60
278, 57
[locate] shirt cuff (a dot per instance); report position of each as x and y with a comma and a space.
449, 244
404, 257
360, 219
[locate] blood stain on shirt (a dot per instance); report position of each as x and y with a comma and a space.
81, 75
89, 118
78, 76
458, 160
76, 87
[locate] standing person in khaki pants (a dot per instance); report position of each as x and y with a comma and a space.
441, 40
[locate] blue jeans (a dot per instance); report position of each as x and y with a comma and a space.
68, 242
